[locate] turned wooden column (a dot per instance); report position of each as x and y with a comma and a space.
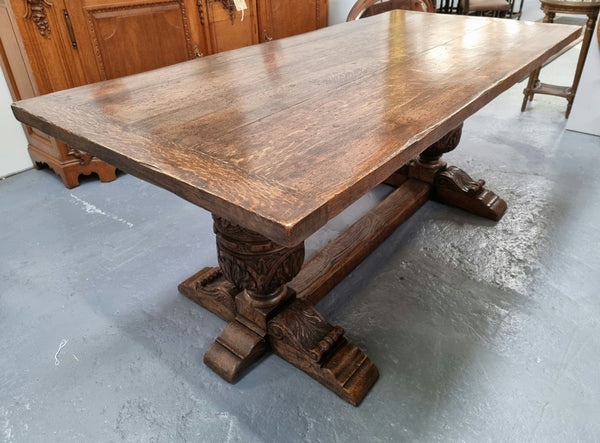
256, 265
259, 269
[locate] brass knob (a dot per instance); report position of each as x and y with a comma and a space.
197, 52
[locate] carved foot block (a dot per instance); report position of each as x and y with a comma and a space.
300, 335
455, 187
234, 350
210, 289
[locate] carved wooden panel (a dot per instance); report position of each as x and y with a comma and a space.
284, 18
134, 38
228, 28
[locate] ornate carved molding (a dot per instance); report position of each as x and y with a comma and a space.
36, 11
303, 328
301, 335
253, 262
209, 288
83, 157
456, 180
455, 187
229, 5
200, 11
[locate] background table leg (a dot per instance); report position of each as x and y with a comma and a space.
453, 186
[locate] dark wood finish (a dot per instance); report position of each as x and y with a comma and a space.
300, 335
368, 8
210, 289
331, 265
551, 8
452, 185
194, 143
268, 312
297, 131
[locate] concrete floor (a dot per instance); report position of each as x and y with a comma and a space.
482, 331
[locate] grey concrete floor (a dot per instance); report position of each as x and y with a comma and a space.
482, 331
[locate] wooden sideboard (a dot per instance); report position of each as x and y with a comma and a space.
47, 46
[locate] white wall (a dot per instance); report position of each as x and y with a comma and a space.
338, 10
13, 144
585, 114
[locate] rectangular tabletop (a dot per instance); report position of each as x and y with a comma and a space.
281, 136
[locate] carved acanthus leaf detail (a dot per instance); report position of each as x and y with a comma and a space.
36, 11
200, 10
301, 326
457, 180
253, 262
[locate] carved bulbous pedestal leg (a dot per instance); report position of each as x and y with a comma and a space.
259, 269
452, 185
249, 289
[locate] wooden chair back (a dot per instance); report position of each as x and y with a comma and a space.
494, 8
367, 8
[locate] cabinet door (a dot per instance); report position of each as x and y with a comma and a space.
230, 29
284, 18
50, 63
38, 58
121, 37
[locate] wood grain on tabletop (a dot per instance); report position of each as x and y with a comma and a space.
282, 136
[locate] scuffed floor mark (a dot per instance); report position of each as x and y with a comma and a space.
227, 417
6, 427
92, 209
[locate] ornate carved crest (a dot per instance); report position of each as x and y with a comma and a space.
36, 11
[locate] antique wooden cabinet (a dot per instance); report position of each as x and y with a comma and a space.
47, 46
284, 18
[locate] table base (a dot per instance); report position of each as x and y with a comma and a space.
290, 325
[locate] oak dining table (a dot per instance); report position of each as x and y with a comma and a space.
276, 139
